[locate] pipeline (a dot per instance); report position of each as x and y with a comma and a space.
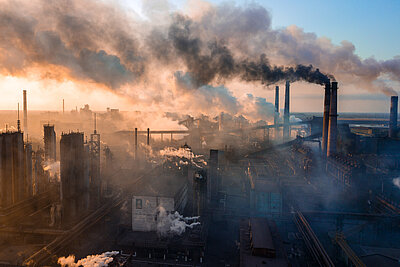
317, 250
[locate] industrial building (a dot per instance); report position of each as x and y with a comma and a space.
50, 147
16, 168
226, 191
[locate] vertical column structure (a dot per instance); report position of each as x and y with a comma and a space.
94, 171
286, 114
325, 125
49, 142
136, 143
332, 131
25, 114
394, 101
276, 114
148, 136
73, 174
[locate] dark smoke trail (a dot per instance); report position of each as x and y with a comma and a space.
218, 62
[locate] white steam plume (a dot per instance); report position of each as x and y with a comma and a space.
173, 223
396, 182
185, 154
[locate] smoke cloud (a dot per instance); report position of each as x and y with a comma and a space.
185, 56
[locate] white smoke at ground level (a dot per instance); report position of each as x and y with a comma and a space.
99, 260
173, 223
396, 182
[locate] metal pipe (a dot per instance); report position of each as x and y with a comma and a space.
327, 103
332, 131
394, 100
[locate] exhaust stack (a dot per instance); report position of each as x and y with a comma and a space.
148, 136
286, 115
332, 131
394, 100
25, 114
327, 103
276, 105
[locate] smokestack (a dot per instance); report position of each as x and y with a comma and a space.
25, 114
286, 115
18, 121
327, 103
135, 143
63, 107
276, 105
332, 131
95, 124
394, 100
148, 136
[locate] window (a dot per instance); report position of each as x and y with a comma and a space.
138, 204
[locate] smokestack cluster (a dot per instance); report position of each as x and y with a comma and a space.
286, 114
394, 100
332, 130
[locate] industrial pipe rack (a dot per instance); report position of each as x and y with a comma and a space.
317, 250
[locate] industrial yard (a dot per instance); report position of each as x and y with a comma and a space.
318, 191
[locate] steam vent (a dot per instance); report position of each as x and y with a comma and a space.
199, 133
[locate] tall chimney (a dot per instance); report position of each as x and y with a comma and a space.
286, 115
394, 100
136, 144
327, 103
63, 107
95, 122
332, 131
25, 114
18, 121
148, 136
276, 105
